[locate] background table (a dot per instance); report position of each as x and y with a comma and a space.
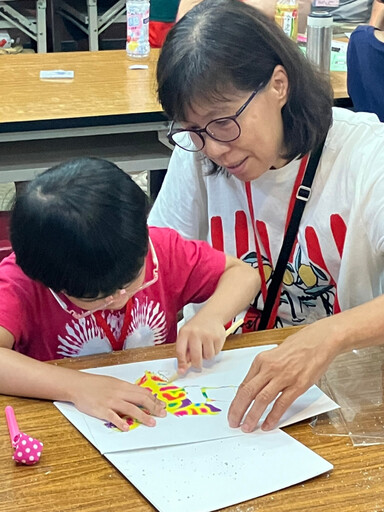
73, 476
339, 85
107, 110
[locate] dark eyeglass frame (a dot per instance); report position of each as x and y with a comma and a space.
200, 131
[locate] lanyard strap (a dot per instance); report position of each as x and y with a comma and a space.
300, 195
116, 343
248, 190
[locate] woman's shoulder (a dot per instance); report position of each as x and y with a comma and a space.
355, 143
357, 125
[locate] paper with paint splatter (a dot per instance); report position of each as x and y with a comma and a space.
201, 477
197, 404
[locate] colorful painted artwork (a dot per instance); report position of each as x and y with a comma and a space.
175, 398
203, 417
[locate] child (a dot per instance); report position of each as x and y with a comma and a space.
87, 277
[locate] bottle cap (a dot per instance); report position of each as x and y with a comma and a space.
320, 19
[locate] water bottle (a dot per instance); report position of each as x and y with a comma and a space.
6, 40
138, 28
319, 40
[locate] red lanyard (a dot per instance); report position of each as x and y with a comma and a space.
116, 343
248, 190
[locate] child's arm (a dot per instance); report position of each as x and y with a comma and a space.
104, 397
204, 335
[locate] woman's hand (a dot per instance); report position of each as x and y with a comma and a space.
200, 338
109, 398
289, 369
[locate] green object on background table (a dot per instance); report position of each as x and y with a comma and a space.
338, 59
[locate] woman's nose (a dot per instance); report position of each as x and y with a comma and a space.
214, 149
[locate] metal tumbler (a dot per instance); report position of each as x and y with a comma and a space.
319, 40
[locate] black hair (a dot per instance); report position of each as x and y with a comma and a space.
81, 227
221, 45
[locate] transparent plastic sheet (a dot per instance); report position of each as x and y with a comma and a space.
355, 381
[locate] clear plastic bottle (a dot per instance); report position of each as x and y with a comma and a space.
138, 28
286, 15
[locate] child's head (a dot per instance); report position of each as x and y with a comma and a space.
81, 228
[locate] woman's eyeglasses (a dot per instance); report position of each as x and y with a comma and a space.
123, 291
223, 129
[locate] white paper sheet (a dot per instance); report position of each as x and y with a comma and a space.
206, 476
228, 370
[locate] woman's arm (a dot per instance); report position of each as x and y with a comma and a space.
299, 362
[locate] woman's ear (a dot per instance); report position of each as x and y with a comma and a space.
279, 84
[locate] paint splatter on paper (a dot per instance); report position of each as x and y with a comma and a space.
175, 398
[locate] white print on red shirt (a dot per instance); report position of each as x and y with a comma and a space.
85, 337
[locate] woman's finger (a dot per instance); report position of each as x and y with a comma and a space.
281, 405
247, 391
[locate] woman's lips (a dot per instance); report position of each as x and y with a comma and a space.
238, 167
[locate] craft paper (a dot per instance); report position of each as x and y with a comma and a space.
207, 476
214, 387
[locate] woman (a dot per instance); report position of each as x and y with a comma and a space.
252, 105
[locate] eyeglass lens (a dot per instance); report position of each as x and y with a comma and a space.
225, 129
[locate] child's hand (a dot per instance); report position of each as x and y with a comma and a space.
200, 338
109, 398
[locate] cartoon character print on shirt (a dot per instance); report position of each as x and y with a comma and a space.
309, 289
84, 337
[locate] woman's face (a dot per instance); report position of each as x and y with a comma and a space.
261, 142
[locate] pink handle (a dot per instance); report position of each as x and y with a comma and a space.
12, 423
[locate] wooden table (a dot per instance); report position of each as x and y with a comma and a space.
72, 475
339, 85
107, 110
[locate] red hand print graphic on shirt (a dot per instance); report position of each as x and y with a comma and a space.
307, 282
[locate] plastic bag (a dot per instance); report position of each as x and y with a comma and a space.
355, 381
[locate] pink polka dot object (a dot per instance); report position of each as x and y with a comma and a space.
27, 450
